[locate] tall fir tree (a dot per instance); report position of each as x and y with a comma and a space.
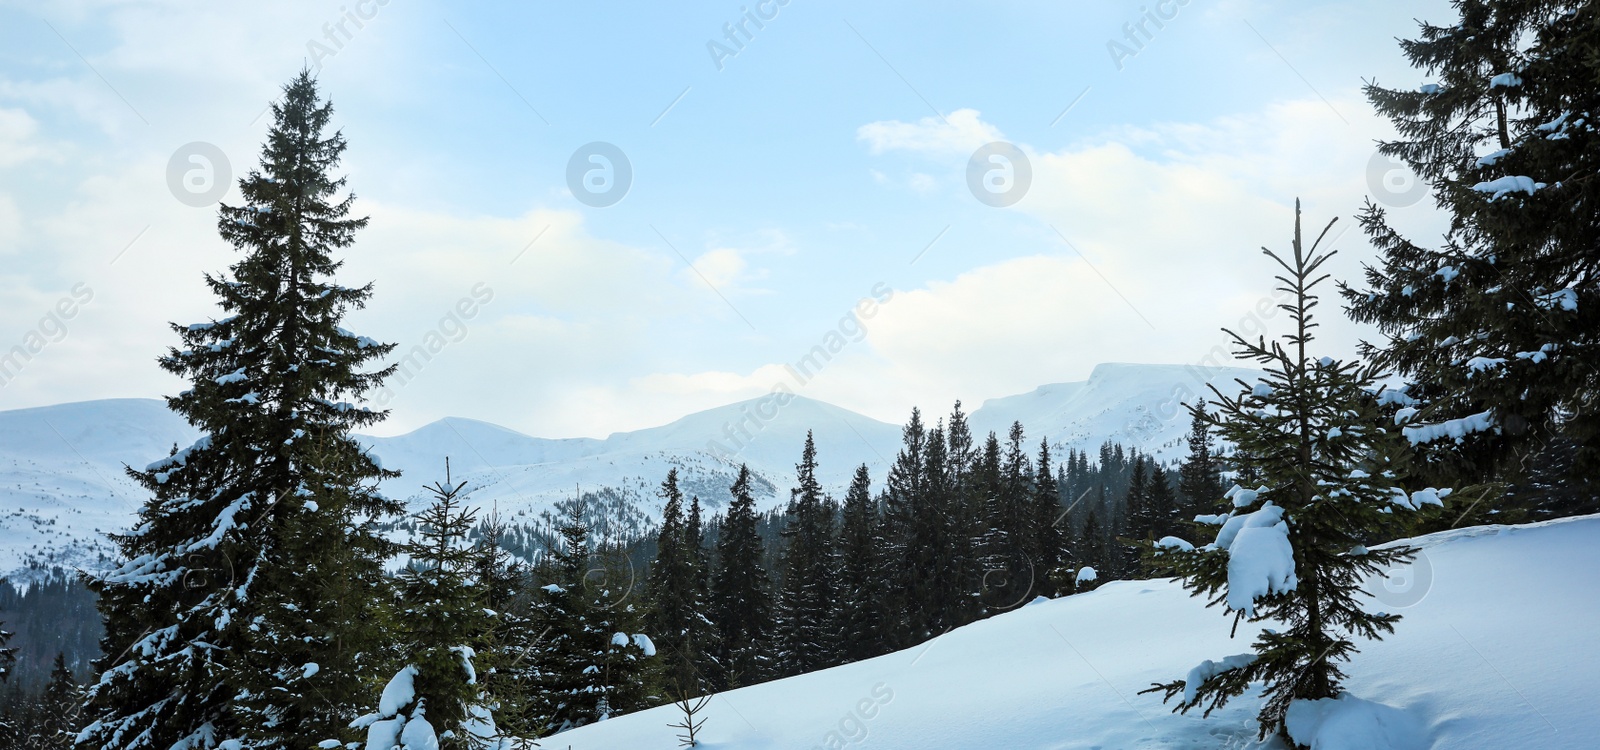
903, 561
859, 614
702, 633
1293, 551
966, 512
442, 624
806, 596
997, 540
1498, 328
258, 551
741, 593
934, 533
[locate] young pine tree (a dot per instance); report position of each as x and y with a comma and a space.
1292, 550
1498, 328
436, 699
741, 594
246, 608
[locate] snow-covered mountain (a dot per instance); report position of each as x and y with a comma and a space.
1135, 405
522, 475
1494, 651
62, 484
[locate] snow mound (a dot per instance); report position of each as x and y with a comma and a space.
1350, 723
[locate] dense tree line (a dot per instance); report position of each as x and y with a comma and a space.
959, 530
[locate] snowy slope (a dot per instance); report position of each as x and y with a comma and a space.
1136, 405
62, 486
1499, 653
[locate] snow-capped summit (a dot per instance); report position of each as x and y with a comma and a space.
1136, 405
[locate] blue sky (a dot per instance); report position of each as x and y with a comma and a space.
765, 201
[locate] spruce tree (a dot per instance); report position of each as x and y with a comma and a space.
56, 720
1140, 520
859, 613
996, 540
934, 536
1049, 542
1292, 550
1165, 515
676, 616
245, 608
702, 632
1199, 476
903, 559
741, 593
589, 666
442, 625
1012, 552
806, 596
965, 507
1497, 329
511, 674
8, 655
1089, 552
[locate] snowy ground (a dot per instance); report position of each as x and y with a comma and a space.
1498, 649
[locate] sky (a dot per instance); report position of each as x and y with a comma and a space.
651, 209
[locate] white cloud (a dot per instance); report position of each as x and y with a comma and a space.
959, 133
722, 268
18, 143
1169, 222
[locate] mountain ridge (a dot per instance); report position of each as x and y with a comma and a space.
62, 484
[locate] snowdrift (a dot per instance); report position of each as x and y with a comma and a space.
1498, 649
